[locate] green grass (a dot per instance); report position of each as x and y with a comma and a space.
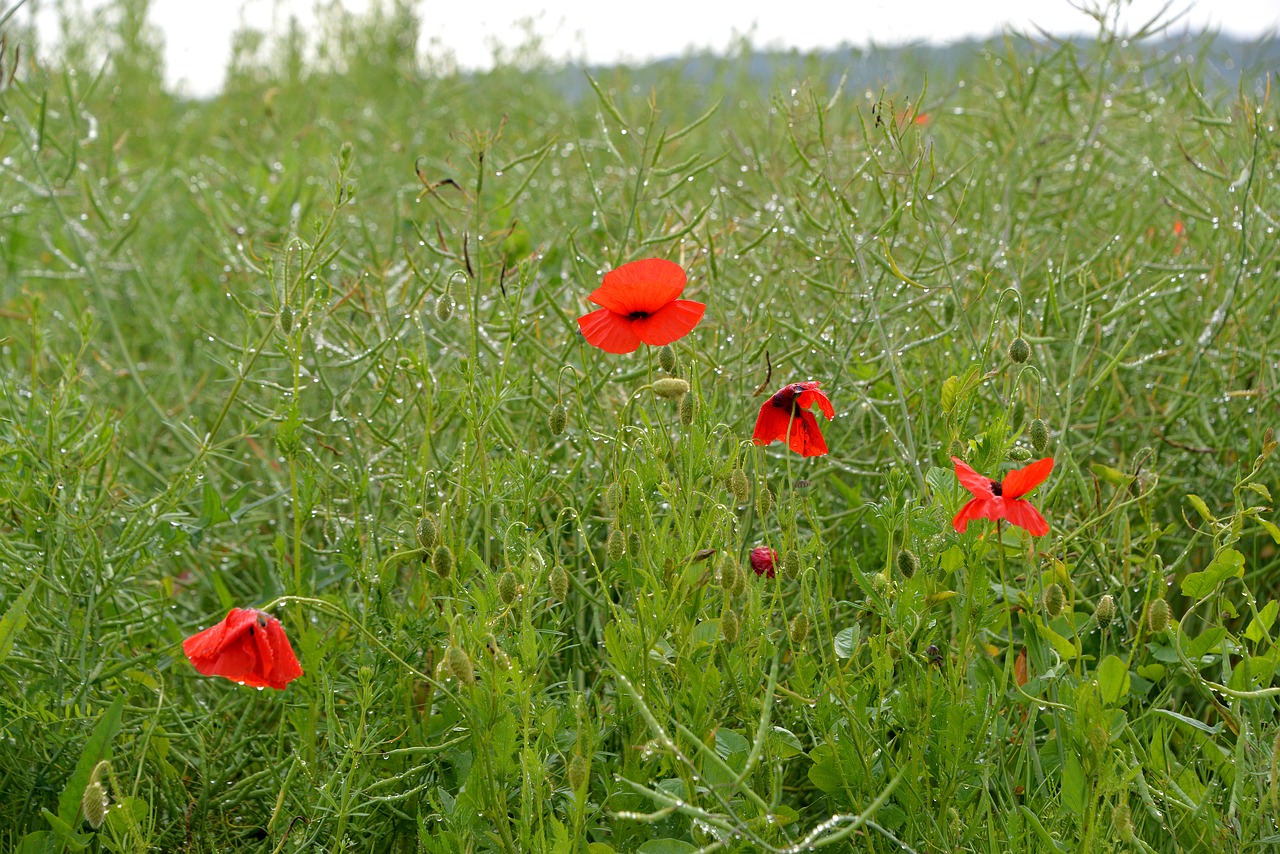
226, 383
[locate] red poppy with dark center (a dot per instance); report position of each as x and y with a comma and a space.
1002, 499
763, 560
639, 306
249, 647
786, 417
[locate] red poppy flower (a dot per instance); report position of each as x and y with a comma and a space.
1002, 499
640, 307
763, 560
786, 416
248, 647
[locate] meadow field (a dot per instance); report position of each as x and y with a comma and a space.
313, 347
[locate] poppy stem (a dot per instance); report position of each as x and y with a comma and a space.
1008, 606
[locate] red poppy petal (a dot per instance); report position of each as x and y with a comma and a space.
204, 647
286, 667
810, 396
670, 323
977, 484
641, 286
609, 331
978, 508
1024, 515
771, 424
1019, 482
806, 437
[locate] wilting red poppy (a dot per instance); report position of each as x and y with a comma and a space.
249, 647
786, 417
763, 560
1001, 499
640, 307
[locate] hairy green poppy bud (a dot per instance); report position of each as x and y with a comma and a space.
728, 577
799, 628
1019, 454
791, 565
442, 561
425, 532
739, 485
1039, 435
559, 584
670, 388
1105, 610
501, 660
740, 577
1019, 350
688, 408
458, 665
94, 801
578, 772
667, 358
908, 563
634, 544
957, 449
1122, 821
880, 583
948, 310
730, 626
1054, 600
1158, 616
508, 587
616, 545
286, 319
613, 497
558, 419
764, 499
444, 307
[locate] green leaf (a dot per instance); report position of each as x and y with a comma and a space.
1074, 786
846, 642
1261, 624
600, 848
1191, 722
15, 618
1115, 477
825, 771
1229, 563
96, 749
1201, 508
1153, 672
1271, 529
1204, 643
1113, 680
952, 559
1065, 648
665, 846
786, 742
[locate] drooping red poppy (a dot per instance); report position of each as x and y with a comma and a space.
1002, 499
786, 417
248, 647
639, 306
763, 560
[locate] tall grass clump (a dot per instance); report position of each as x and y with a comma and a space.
311, 346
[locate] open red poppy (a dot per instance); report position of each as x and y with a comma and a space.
786, 417
249, 647
1001, 499
639, 306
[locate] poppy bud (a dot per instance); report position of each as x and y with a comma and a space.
948, 310
1019, 350
764, 500
94, 801
1158, 616
458, 665
670, 388
501, 660
1019, 454
558, 419
667, 358
425, 532
739, 582
1039, 435
1098, 739
442, 561
763, 560
579, 773
634, 544
739, 485
1122, 821
791, 565
688, 408
559, 584
730, 626
1054, 599
616, 545
803, 483
1105, 610
908, 563
957, 449
444, 307
286, 319
799, 628
728, 577
613, 497
880, 583
508, 587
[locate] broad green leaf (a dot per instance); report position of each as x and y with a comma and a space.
787, 743
952, 559
1113, 680
15, 619
96, 749
600, 848
665, 846
846, 642
1271, 529
1204, 643
1201, 508
1074, 786
1261, 624
1229, 563
1154, 672
1114, 477
1065, 648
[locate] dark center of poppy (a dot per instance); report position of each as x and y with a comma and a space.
637, 315
995, 487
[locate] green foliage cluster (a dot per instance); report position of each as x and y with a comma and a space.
249, 344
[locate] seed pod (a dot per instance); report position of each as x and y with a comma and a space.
764, 499
459, 666
616, 545
739, 485
1019, 350
613, 497
669, 388
688, 408
558, 419
1105, 610
579, 773
559, 584
444, 307
442, 561
730, 626
286, 319
1039, 436
791, 565
634, 544
1019, 454
908, 563
799, 628
667, 358
1158, 616
508, 587
425, 532
1054, 600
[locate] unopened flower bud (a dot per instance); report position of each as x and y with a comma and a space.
634, 544
908, 563
764, 500
728, 577
442, 561
578, 772
1054, 600
1158, 616
508, 587
791, 565
613, 497
730, 626
616, 545
739, 485
425, 532
880, 583
688, 408
1122, 821
444, 307
558, 419
763, 560
667, 358
1039, 435
1105, 610
1019, 350
799, 628
1019, 454
559, 584
670, 388
458, 665
94, 801
286, 319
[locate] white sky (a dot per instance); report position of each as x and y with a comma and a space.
198, 32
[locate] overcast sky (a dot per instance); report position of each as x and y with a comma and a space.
198, 32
